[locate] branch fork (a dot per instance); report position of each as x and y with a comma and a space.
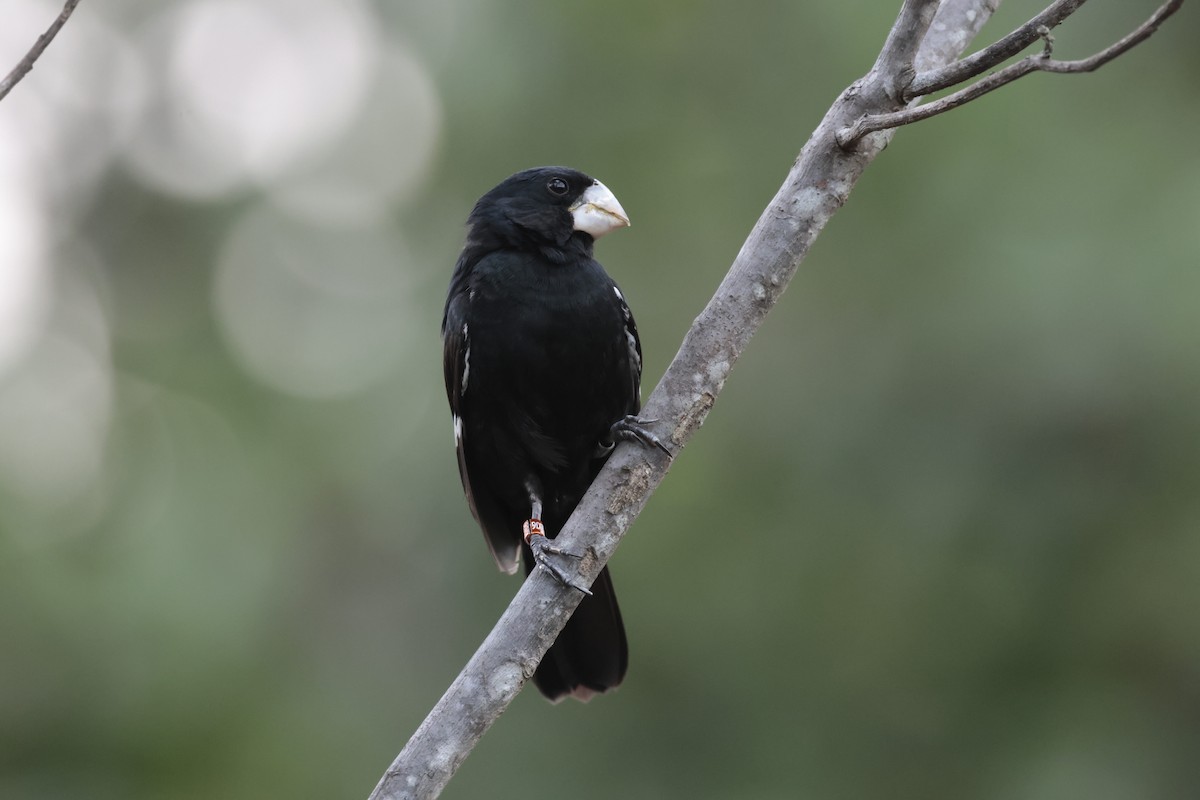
964, 69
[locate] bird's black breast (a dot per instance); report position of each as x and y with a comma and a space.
541, 358
548, 353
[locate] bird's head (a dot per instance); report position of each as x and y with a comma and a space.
546, 207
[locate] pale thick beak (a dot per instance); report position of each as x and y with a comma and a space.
597, 211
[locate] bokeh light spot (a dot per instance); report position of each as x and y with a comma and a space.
23, 268
384, 157
309, 310
242, 94
54, 419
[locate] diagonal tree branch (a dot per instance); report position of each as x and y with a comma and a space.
1041, 62
26, 64
818, 184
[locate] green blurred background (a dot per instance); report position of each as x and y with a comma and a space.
940, 538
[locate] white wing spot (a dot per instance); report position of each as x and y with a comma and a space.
466, 375
620, 296
457, 430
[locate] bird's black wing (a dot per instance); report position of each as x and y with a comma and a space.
456, 367
634, 347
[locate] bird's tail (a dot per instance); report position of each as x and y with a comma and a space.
590, 655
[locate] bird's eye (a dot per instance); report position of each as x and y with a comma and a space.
557, 186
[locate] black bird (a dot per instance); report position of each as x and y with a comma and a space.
543, 369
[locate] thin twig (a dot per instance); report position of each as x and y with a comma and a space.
26, 64
994, 54
1036, 63
1136, 37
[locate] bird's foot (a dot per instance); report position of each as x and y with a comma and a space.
542, 548
631, 428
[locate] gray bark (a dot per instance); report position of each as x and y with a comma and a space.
25, 65
816, 187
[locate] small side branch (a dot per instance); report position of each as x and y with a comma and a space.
1041, 62
26, 64
899, 52
993, 55
907, 33
1136, 37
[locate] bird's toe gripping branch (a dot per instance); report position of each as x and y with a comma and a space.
543, 549
631, 428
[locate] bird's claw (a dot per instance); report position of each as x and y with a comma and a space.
631, 428
542, 549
